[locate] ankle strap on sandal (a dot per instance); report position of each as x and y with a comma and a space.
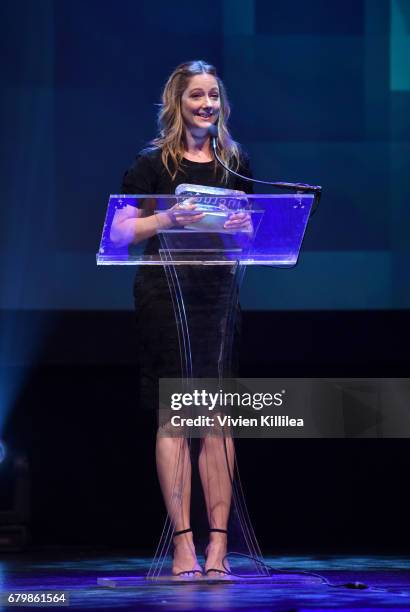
218, 530
178, 533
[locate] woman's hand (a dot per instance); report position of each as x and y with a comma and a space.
239, 221
184, 214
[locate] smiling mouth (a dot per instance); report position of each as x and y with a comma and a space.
204, 115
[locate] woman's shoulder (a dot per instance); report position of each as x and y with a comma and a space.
150, 154
243, 157
244, 167
143, 175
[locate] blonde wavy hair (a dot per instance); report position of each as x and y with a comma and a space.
171, 124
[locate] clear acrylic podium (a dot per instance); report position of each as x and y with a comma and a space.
202, 264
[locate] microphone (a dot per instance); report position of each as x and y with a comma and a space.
299, 187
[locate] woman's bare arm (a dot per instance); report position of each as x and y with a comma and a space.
129, 227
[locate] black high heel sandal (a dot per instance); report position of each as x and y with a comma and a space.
213, 569
186, 572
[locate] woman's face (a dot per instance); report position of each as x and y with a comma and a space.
200, 102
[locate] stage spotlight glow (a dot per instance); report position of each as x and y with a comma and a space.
2, 451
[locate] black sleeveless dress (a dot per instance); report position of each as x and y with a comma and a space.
157, 335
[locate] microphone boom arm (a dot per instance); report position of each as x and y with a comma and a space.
299, 187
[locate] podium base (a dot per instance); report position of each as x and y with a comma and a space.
129, 582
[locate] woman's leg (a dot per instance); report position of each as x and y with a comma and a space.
216, 463
174, 474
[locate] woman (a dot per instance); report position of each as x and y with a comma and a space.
193, 99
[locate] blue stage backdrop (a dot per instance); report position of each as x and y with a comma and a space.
320, 93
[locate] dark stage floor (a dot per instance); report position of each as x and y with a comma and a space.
387, 578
